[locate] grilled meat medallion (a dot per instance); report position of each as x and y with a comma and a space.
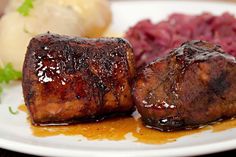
192, 86
69, 80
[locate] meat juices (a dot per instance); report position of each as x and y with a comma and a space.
192, 86
69, 80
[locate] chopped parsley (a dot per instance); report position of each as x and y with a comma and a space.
25, 7
7, 74
12, 112
1, 90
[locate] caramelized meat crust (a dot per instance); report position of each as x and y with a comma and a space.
69, 80
192, 86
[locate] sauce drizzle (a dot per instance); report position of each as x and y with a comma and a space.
117, 129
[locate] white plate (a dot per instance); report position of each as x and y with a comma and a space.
15, 133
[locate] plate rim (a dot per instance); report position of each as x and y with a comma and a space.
50, 151
185, 150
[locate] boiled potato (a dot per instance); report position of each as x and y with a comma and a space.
91, 12
69, 17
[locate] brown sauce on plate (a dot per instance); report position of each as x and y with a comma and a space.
116, 129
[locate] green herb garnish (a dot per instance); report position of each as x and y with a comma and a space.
12, 112
1, 90
25, 7
7, 74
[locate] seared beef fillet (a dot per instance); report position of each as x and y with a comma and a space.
68, 80
194, 85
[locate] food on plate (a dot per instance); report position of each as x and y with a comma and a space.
7, 74
192, 86
155, 40
68, 80
22, 20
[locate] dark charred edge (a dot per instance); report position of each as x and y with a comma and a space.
66, 38
130, 58
28, 94
183, 127
83, 120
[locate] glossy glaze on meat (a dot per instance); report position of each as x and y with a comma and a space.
69, 80
192, 86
